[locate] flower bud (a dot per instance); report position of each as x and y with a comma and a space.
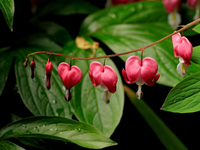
25, 64
140, 72
70, 77
48, 77
104, 76
33, 68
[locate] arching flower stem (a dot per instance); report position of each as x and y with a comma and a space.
119, 54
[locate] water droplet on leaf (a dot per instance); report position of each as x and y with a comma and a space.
132, 9
112, 15
79, 129
140, 6
54, 101
24, 126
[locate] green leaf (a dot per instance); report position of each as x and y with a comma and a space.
39, 41
69, 7
57, 128
6, 145
196, 55
197, 28
140, 12
164, 134
54, 31
34, 93
184, 97
5, 64
7, 8
87, 104
75, 7
35, 142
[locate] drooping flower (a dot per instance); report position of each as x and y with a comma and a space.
182, 49
172, 7
33, 68
70, 75
194, 4
106, 77
48, 77
140, 72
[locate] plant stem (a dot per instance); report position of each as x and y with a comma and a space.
114, 55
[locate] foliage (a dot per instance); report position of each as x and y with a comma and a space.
53, 27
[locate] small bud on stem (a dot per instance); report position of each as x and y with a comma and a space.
33, 68
25, 64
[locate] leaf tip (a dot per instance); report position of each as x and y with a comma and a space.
161, 108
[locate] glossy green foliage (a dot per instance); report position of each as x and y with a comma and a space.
197, 28
184, 97
7, 8
5, 64
57, 128
6, 145
123, 14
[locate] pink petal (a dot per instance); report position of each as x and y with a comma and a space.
192, 3
133, 68
185, 50
70, 77
148, 70
125, 76
170, 5
96, 69
176, 40
109, 78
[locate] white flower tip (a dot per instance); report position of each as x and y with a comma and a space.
174, 19
68, 95
106, 96
139, 93
182, 69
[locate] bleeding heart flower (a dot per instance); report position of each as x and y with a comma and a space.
182, 49
33, 68
104, 76
70, 77
140, 72
172, 7
48, 77
194, 4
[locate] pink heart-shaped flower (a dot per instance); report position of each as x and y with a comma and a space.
104, 76
140, 72
69, 75
182, 47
